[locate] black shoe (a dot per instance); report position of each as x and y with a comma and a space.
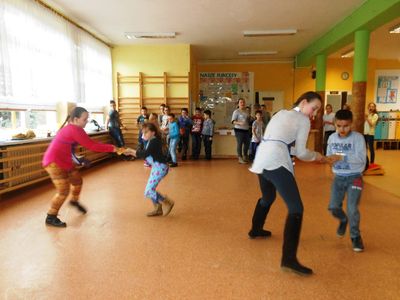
342, 228
262, 234
184, 157
296, 267
358, 245
173, 165
81, 208
52, 220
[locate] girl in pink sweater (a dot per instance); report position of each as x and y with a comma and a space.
57, 161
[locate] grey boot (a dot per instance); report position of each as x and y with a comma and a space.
156, 212
167, 205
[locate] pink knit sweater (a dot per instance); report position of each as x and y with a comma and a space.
59, 150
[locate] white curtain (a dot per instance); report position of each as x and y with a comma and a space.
44, 60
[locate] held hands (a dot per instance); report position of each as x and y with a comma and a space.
130, 151
320, 158
125, 151
331, 159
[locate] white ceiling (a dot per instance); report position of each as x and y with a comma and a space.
213, 27
383, 45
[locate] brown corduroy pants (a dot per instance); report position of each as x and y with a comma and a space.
66, 182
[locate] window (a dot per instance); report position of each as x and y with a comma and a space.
44, 60
96, 121
14, 122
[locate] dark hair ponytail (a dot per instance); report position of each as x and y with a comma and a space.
152, 128
75, 113
309, 96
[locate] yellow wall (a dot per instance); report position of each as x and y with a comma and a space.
282, 76
150, 60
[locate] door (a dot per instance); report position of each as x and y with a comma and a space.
273, 100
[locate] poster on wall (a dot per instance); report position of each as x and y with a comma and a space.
219, 92
387, 89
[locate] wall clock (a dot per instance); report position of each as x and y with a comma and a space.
345, 75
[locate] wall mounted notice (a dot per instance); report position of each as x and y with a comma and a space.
387, 89
219, 92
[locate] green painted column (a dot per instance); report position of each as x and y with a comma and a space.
320, 86
360, 75
320, 81
361, 49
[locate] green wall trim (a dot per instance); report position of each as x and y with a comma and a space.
369, 16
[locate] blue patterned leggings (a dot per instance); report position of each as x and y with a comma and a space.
158, 172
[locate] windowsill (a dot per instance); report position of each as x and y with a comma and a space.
11, 142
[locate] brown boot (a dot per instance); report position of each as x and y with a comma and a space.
157, 210
167, 205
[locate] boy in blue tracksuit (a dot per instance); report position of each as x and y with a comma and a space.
347, 152
173, 136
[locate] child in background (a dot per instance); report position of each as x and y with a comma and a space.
143, 118
114, 124
153, 118
347, 153
164, 120
207, 132
328, 120
173, 137
185, 124
257, 129
160, 116
371, 118
154, 155
196, 133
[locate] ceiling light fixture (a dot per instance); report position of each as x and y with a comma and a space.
272, 32
395, 29
347, 54
150, 35
257, 52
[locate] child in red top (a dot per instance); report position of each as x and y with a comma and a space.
58, 162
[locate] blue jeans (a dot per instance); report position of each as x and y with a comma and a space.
173, 143
253, 149
352, 185
369, 140
116, 134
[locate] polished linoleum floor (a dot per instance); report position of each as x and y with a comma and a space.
201, 250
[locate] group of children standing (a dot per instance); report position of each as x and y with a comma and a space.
176, 132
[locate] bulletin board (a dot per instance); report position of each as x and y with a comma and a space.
219, 92
387, 87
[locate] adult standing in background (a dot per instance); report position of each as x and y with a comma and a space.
328, 121
371, 118
240, 120
266, 115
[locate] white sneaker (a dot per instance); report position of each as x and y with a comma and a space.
241, 161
